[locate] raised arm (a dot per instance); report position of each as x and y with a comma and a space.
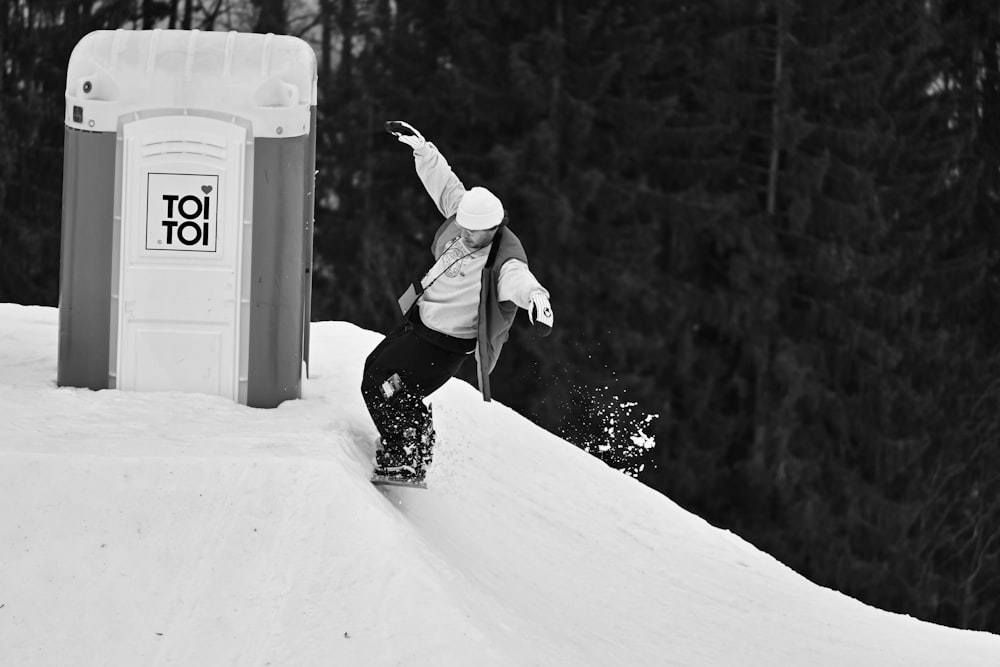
441, 183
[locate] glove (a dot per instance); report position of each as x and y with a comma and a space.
540, 313
406, 133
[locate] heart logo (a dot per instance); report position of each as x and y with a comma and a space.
206, 189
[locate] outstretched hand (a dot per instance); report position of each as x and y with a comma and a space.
406, 133
540, 314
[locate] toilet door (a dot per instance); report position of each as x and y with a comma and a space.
180, 289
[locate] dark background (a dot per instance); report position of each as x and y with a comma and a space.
769, 228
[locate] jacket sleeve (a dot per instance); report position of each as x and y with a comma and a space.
516, 283
439, 180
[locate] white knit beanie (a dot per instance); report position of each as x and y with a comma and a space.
479, 209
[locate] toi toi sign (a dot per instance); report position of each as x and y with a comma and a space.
182, 212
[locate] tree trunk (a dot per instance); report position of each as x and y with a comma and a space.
273, 16
776, 112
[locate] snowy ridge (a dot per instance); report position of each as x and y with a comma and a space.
174, 529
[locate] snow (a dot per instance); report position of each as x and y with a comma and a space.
183, 529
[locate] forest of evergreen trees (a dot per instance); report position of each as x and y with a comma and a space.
770, 229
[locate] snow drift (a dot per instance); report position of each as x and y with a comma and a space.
180, 529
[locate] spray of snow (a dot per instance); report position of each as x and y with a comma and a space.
610, 428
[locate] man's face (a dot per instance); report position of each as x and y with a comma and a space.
475, 239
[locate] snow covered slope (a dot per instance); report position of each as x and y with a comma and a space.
173, 529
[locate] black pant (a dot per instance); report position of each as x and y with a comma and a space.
423, 367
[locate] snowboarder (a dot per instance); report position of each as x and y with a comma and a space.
463, 306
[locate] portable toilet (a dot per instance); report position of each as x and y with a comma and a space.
188, 213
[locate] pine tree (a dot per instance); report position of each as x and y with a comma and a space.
36, 41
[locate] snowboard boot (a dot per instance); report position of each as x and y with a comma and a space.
397, 460
406, 447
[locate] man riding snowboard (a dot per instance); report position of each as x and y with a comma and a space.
463, 306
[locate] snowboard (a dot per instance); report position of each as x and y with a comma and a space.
385, 480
